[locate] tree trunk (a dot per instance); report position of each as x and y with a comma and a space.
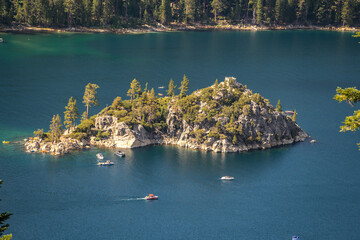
87, 111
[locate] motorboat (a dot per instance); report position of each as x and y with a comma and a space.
161, 87
5, 142
106, 163
151, 197
227, 178
120, 153
1, 40
99, 156
289, 112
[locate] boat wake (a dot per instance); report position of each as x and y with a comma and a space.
131, 199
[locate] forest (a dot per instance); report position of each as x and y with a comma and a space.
132, 13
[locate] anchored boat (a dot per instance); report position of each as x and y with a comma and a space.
151, 197
107, 163
99, 156
5, 142
227, 178
120, 153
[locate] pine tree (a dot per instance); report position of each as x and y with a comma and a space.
259, 12
184, 87
345, 13
171, 90
190, 8
165, 12
71, 114
117, 103
235, 140
96, 11
3, 217
135, 89
90, 97
302, 11
218, 7
108, 12
278, 11
55, 128
294, 117
278, 106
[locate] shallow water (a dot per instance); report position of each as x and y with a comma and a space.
310, 190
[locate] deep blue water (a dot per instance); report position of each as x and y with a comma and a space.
310, 190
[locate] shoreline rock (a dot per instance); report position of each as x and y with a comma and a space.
174, 27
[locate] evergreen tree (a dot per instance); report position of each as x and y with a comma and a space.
96, 11
278, 106
235, 140
171, 90
165, 12
71, 114
294, 117
117, 103
278, 12
135, 89
345, 13
3, 217
90, 97
218, 7
302, 11
190, 8
55, 128
184, 87
108, 12
259, 11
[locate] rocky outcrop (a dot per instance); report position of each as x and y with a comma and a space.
257, 125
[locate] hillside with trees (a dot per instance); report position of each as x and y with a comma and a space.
130, 13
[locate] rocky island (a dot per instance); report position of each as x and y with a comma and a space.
225, 117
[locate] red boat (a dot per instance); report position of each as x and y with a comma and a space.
151, 197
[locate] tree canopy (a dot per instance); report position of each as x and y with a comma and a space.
71, 113
125, 13
90, 97
351, 96
3, 217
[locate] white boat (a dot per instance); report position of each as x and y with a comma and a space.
227, 178
99, 156
1, 40
106, 163
161, 87
120, 153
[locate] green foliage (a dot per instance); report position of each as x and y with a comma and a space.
235, 140
3, 217
117, 103
125, 13
352, 96
294, 117
165, 12
101, 135
40, 133
184, 87
90, 97
71, 113
278, 106
246, 110
171, 90
55, 128
214, 134
6, 237
135, 89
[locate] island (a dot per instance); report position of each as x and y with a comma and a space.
224, 117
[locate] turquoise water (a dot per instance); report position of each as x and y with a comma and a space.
310, 190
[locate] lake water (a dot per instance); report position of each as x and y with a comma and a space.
310, 190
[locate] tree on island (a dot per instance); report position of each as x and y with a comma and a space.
71, 114
55, 128
278, 106
172, 87
90, 97
294, 117
3, 217
135, 89
184, 87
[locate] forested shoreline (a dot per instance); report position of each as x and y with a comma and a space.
132, 13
